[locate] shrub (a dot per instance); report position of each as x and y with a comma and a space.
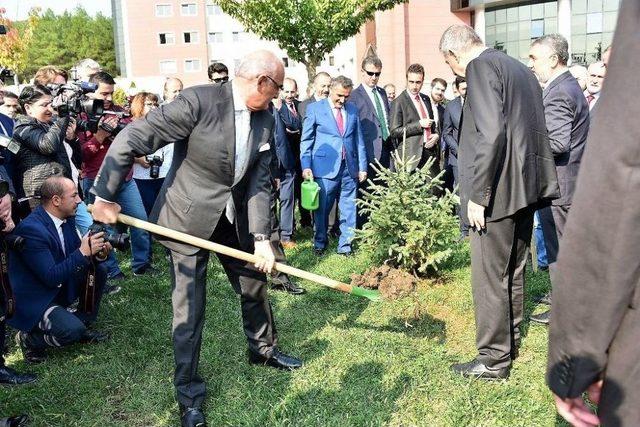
409, 227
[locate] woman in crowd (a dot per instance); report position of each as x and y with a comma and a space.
42, 151
148, 185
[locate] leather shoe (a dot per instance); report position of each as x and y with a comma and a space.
192, 417
318, 252
277, 360
11, 377
91, 336
31, 355
477, 369
17, 421
542, 318
288, 287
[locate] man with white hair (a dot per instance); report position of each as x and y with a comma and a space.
596, 74
506, 171
86, 68
221, 191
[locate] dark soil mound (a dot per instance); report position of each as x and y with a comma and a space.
391, 282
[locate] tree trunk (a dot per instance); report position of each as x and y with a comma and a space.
311, 73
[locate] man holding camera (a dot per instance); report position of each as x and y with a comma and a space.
53, 268
94, 149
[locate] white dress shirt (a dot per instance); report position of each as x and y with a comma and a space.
372, 95
57, 222
417, 104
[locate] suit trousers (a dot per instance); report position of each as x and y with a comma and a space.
553, 219
498, 260
189, 274
277, 277
287, 202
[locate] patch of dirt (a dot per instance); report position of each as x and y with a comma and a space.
391, 282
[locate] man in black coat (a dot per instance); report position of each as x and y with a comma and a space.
218, 188
506, 171
595, 327
567, 116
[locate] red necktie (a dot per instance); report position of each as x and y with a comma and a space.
292, 108
590, 99
423, 114
340, 121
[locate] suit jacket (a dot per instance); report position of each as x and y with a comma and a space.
302, 107
452, 118
8, 157
7, 123
200, 182
284, 153
567, 116
321, 145
505, 161
594, 329
405, 117
41, 272
292, 127
371, 129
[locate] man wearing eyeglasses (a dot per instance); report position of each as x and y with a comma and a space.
218, 72
219, 189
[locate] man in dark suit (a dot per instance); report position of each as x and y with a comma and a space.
373, 107
333, 152
567, 117
506, 170
595, 327
218, 188
288, 154
412, 116
48, 274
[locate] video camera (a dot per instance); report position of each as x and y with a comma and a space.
118, 240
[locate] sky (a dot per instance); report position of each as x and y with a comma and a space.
18, 9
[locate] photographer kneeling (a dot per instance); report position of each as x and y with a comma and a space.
54, 268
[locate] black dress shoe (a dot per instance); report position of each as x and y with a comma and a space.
288, 287
91, 336
11, 377
31, 355
318, 252
477, 369
277, 360
542, 318
111, 289
17, 421
192, 417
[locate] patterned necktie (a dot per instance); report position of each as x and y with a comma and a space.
380, 115
590, 99
423, 114
292, 108
340, 121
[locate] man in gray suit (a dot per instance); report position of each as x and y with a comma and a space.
506, 170
218, 188
567, 116
595, 327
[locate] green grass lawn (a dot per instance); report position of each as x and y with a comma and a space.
366, 363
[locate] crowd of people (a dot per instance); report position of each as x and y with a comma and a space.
225, 161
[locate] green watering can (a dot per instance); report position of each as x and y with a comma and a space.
310, 195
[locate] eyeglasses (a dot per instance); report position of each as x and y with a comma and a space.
373, 73
220, 79
275, 83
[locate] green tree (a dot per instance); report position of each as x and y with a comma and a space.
62, 40
15, 45
306, 29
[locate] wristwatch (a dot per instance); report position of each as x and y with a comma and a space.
260, 237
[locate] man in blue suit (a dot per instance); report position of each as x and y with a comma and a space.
48, 273
332, 150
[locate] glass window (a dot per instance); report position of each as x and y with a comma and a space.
524, 12
490, 36
551, 25
191, 65
235, 36
163, 10
537, 11
168, 66
512, 14
524, 49
512, 31
166, 38
501, 33
594, 23
188, 9
537, 28
550, 9
501, 16
490, 18
594, 47
594, 6
607, 39
579, 6
610, 5
214, 9
215, 38
579, 44
579, 24
610, 20
191, 37
512, 49
524, 32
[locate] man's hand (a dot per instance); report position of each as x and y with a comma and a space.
576, 411
265, 253
5, 207
432, 141
71, 130
362, 176
105, 212
277, 183
8, 225
307, 174
475, 213
92, 244
142, 161
426, 123
109, 122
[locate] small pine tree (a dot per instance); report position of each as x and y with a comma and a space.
409, 226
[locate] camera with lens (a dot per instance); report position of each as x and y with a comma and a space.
118, 240
155, 162
71, 100
114, 130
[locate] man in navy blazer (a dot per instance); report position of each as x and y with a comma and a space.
566, 113
451, 127
332, 151
49, 271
